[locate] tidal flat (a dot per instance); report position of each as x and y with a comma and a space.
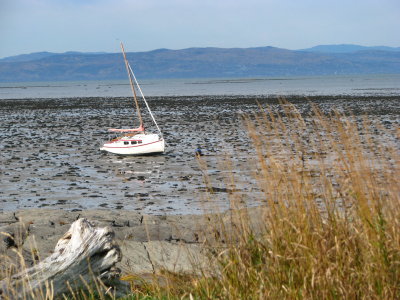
50, 155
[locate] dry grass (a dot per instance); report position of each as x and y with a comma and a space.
331, 227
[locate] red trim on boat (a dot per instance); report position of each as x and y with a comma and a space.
134, 146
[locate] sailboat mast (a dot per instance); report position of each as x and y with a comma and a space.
132, 86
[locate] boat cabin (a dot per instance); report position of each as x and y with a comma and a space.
132, 142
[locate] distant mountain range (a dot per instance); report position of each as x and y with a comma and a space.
40, 55
348, 48
202, 62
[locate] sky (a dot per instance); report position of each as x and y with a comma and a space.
28, 26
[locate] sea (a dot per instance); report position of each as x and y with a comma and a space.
357, 85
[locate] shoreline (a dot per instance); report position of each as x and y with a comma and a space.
143, 239
149, 244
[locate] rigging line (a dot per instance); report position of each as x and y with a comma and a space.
132, 85
144, 99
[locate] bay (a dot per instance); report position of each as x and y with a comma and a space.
357, 85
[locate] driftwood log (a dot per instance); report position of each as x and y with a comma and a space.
85, 253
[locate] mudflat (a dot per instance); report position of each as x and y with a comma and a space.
50, 155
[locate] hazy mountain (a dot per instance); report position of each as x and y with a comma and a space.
347, 48
40, 55
27, 57
197, 63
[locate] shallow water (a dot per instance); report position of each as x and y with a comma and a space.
356, 85
50, 151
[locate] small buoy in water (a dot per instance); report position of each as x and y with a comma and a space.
198, 152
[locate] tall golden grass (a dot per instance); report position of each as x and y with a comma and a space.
331, 224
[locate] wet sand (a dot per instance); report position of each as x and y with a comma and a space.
50, 151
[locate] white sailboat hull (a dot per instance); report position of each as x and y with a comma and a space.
138, 144
135, 141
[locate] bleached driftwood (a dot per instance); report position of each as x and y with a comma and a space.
84, 252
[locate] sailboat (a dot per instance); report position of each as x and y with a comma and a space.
135, 141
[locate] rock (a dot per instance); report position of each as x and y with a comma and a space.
180, 258
135, 258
